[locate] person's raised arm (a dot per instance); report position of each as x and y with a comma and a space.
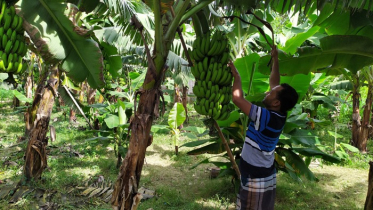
237, 93
274, 78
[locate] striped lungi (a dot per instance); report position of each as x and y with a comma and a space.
257, 193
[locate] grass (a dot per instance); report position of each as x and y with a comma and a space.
176, 186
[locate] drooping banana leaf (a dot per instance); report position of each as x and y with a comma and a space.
341, 85
81, 57
296, 162
214, 148
314, 152
337, 52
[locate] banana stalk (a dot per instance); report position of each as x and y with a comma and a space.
229, 152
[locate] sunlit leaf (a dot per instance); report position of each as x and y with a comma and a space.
112, 121
176, 116
22, 97
81, 57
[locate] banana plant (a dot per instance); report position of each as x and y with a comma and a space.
176, 118
62, 48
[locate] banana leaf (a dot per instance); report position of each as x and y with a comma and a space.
81, 57
214, 148
176, 116
341, 85
315, 152
196, 143
337, 51
297, 163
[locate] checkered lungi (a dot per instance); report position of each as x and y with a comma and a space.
257, 193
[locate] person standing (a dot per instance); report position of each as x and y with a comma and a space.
258, 172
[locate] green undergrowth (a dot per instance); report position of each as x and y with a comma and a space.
74, 161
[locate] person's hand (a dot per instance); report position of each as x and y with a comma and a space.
233, 69
274, 52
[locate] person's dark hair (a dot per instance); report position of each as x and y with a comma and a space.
288, 97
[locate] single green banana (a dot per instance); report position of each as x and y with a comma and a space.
208, 93
212, 105
204, 111
14, 22
208, 76
204, 85
217, 97
209, 84
3, 9
197, 108
217, 114
4, 58
9, 32
9, 67
20, 48
2, 67
223, 116
8, 47
222, 47
200, 67
224, 58
205, 63
202, 102
13, 36
196, 55
202, 90
15, 67
218, 75
212, 96
223, 78
19, 68
214, 75
221, 98
24, 51
12, 10
19, 26
15, 57
195, 91
199, 54
194, 72
203, 76
212, 60
7, 19
213, 49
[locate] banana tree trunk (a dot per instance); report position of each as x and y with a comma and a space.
356, 119
30, 114
125, 195
125, 191
366, 127
91, 96
36, 157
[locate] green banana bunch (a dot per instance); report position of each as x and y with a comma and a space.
12, 40
212, 87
